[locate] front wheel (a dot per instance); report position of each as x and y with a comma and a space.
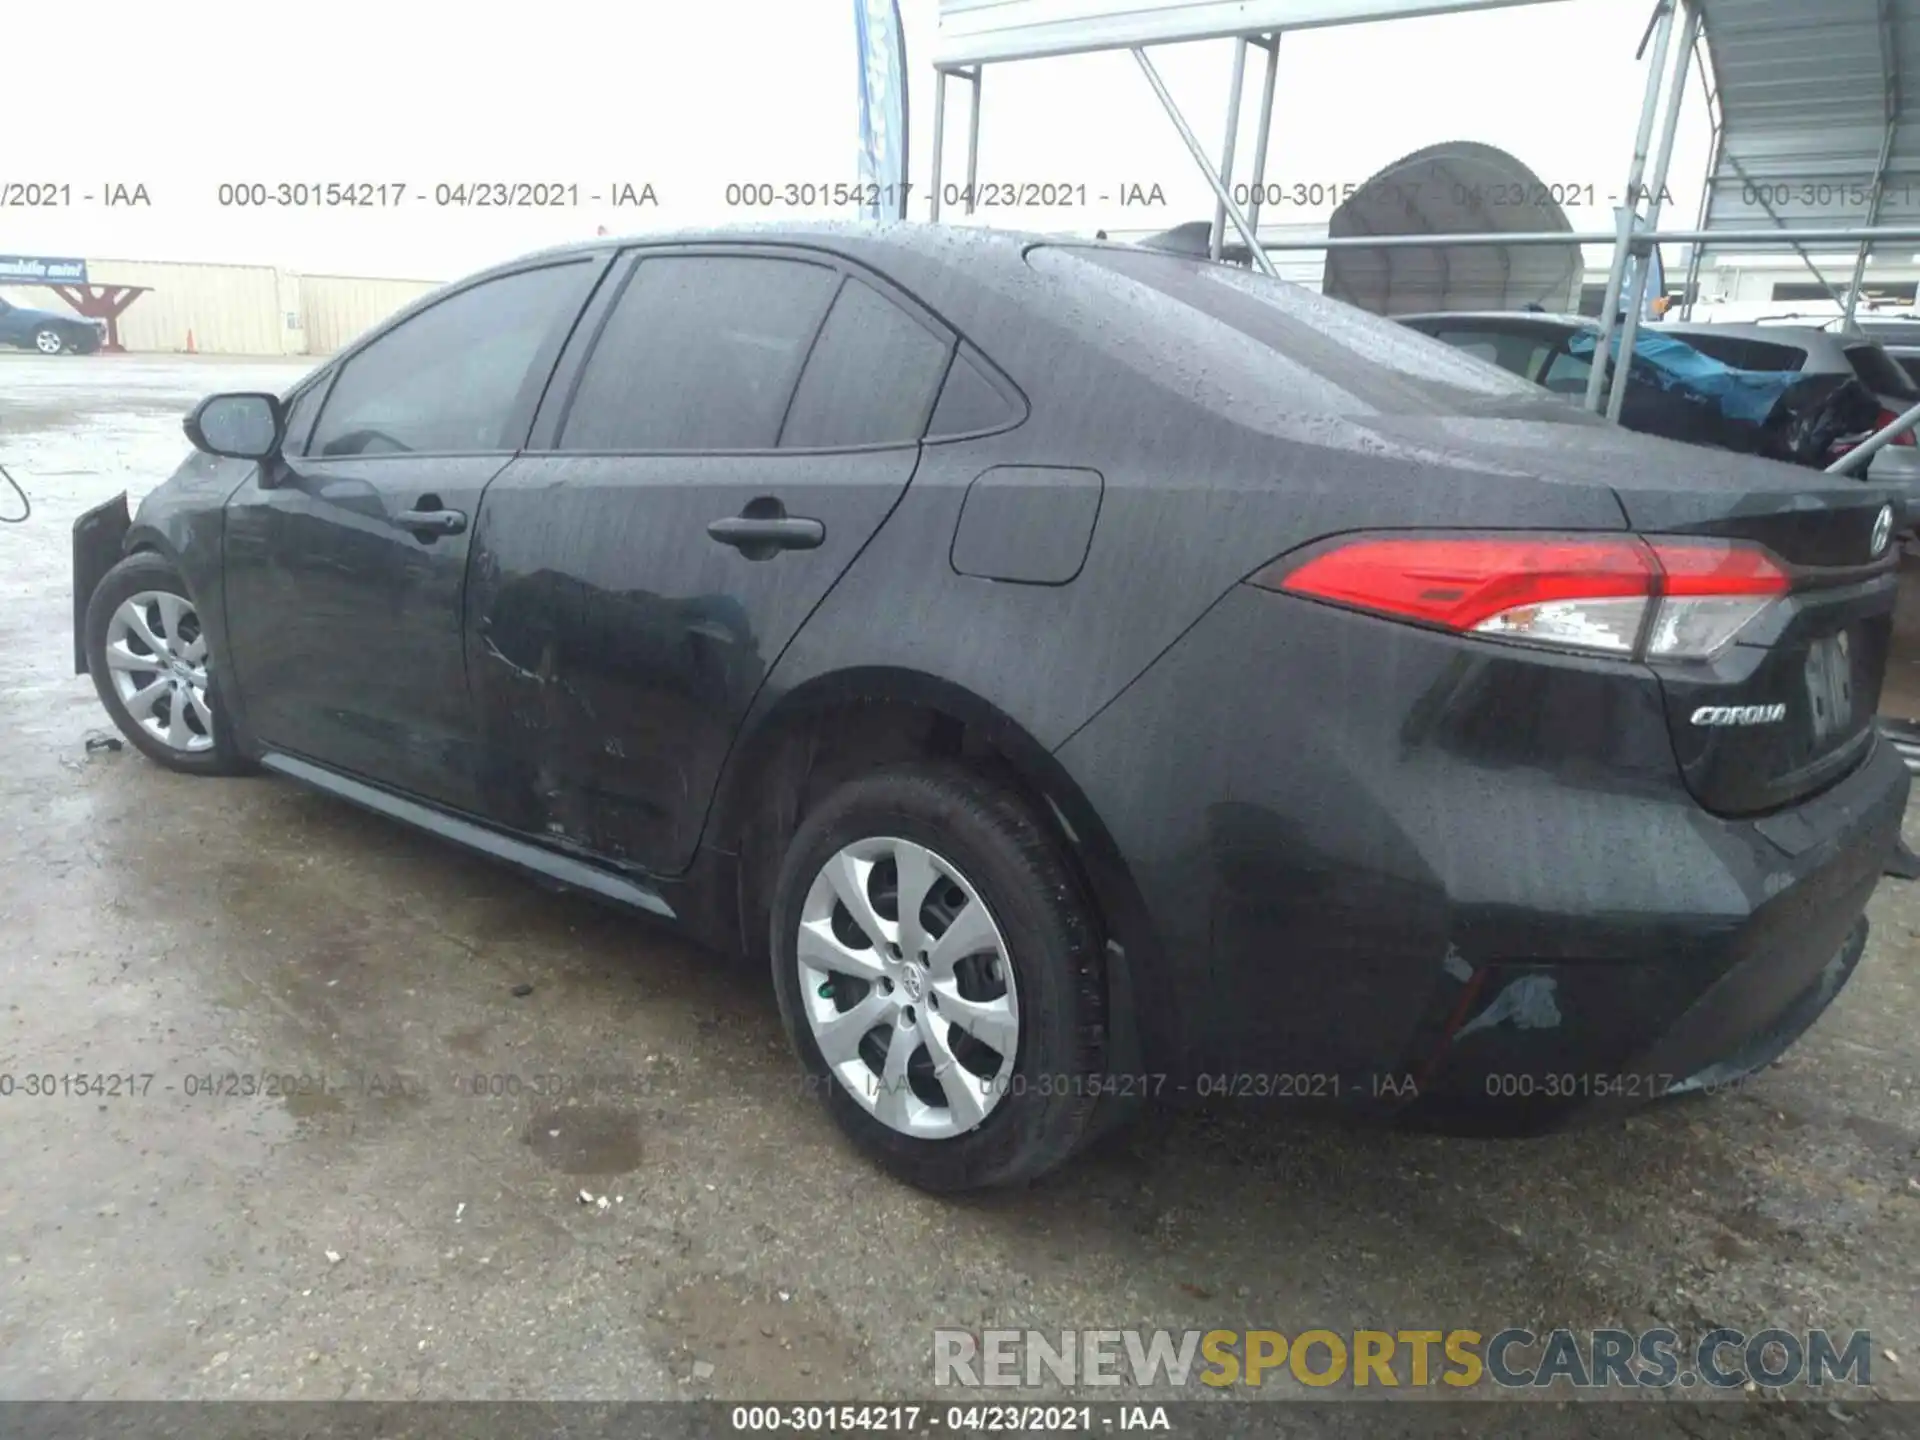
49, 342
939, 976
151, 665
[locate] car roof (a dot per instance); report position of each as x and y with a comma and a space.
1750, 330
845, 236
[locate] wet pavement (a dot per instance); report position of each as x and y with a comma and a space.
347, 1159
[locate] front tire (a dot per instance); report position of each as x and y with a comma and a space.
49, 341
939, 975
151, 666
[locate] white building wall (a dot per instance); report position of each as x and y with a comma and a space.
237, 309
340, 308
225, 309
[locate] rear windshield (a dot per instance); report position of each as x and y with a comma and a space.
1328, 357
1742, 353
1879, 373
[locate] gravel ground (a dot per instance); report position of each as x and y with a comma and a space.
404, 1237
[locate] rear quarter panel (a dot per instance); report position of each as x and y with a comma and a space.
1211, 463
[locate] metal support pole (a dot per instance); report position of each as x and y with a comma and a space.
1804, 235
939, 135
1696, 254
1890, 90
1219, 230
1256, 253
1676, 92
1272, 46
1856, 458
973, 137
1873, 214
1662, 31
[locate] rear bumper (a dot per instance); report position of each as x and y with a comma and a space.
1445, 882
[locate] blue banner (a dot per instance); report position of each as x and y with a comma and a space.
41, 270
883, 109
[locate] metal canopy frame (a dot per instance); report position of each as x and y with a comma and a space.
1261, 23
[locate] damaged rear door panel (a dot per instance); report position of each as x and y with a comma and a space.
729, 427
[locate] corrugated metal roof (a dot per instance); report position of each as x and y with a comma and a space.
1810, 94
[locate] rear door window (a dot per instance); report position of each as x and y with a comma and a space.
870, 379
1880, 373
701, 352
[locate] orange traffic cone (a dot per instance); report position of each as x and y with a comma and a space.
191, 349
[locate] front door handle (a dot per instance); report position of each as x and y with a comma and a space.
427, 524
761, 538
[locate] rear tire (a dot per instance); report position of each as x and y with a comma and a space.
967, 1038
170, 709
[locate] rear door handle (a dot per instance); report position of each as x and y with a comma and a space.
428, 523
760, 539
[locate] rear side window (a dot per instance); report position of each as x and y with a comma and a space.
701, 352
448, 380
1880, 373
1742, 353
870, 379
969, 401
1568, 373
1520, 353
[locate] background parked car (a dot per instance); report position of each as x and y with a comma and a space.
1818, 350
48, 331
1831, 393
1898, 335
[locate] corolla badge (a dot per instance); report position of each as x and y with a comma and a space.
1882, 531
1739, 714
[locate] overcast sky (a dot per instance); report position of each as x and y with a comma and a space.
690, 98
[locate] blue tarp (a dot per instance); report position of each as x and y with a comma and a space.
1744, 395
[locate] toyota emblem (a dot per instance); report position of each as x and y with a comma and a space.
1882, 531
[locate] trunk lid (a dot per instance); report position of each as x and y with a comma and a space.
1788, 708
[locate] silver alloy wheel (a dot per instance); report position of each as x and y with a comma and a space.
908, 988
48, 342
157, 655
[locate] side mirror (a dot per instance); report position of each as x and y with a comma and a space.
243, 425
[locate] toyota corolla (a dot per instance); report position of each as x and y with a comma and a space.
1086, 674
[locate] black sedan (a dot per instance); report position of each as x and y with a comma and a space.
48, 331
1090, 674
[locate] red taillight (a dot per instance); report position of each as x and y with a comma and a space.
1717, 567
1886, 418
1677, 598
